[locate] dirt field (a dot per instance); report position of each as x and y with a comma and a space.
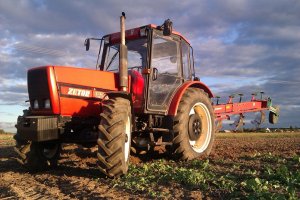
237, 166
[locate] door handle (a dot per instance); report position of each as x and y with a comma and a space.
155, 73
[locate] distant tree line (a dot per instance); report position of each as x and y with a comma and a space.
3, 132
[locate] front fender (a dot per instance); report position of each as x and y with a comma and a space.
180, 91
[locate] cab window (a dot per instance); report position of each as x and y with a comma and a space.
137, 55
187, 75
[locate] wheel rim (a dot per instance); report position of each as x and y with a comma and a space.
202, 132
127, 139
50, 150
195, 127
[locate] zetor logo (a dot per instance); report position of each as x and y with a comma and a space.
79, 92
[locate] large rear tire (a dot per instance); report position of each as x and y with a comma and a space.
38, 156
194, 125
115, 137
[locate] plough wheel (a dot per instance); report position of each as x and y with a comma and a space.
273, 117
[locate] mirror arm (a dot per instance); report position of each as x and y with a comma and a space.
99, 53
87, 42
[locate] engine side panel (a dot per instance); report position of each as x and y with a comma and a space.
80, 90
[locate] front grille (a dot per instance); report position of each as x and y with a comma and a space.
37, 128
38, 88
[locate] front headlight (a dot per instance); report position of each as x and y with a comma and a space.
47, 104
36, 104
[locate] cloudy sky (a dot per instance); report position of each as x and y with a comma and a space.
239, 46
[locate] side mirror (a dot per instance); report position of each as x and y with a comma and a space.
168, 27
87, 44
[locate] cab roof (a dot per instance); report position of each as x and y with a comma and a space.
135, 33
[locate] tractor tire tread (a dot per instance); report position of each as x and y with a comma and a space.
110, 153
181, 147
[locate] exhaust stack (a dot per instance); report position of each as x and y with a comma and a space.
123, 68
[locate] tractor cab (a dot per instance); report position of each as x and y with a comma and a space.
158, 64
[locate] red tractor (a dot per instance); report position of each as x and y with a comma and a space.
143, 94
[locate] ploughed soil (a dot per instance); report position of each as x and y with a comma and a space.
77, 176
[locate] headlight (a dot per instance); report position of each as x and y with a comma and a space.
36, 104
47, 104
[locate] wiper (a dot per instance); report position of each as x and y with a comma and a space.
112, 59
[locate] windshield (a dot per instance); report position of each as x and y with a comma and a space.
137, 55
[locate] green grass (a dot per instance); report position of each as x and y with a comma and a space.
271, 181
258, 176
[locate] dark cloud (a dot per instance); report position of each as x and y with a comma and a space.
13, 94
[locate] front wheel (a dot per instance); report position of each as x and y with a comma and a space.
114, 137
38, 156
194, 125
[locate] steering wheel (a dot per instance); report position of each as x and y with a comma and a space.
137, 68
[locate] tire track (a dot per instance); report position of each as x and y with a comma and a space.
80, 188
6, 193
77, 177
24, 186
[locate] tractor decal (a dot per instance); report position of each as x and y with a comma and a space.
79, 92
76, 91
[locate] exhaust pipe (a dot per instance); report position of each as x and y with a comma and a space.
123, 68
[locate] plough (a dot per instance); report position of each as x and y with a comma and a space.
226, 110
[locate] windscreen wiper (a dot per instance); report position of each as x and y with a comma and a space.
112, 59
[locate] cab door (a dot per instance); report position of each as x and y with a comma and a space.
166, 71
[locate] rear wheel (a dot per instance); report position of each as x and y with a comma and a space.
194, 125
37, 156
115, 137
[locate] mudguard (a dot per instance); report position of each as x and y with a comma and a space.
180, 91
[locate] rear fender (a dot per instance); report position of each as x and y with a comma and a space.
177, 97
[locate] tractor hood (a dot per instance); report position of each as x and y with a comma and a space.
68, 91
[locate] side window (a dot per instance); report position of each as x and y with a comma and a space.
186, 61
192, 63
134, 59
165, 56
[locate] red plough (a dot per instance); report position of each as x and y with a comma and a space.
224, 111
